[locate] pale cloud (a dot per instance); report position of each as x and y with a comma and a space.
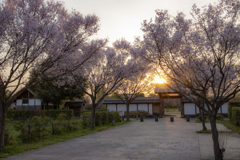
123, 18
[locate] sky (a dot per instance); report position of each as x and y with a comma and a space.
123, 18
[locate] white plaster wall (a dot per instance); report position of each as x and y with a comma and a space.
133, 107
31, 102
189, 108
219, 110
197, 110
121, 107
19, 102
225, 108
111, 107
150, 109
37, 102
143, 107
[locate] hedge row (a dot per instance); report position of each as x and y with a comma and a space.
54, 113
230, 106
25, 114
236, 115
38, 127
101, 117
139, 113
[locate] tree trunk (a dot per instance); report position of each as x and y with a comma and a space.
2, 126
127, 111
93, 117
217, 151
203, 121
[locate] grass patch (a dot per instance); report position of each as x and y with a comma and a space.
17, 146
204, 131
227, 123
172, 110
198, 121
209, 131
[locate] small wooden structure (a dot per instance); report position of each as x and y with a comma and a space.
165, 92
75, 105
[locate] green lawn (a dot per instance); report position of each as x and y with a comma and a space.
171, 110
227, 123
17, 146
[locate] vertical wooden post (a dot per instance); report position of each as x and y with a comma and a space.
161, 105
182, 108
148, 107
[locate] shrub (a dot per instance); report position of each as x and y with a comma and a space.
98, 118
225, 114
219, 116
116, 116
74, 125
236, 115
134, 114
199, 116
104, 116
24, 129
110, 117
230, 106
53, 113
86, 114
7, 137
26, 114
61, 124
101, 117
18, 114
37, 127
56, 127
86, 121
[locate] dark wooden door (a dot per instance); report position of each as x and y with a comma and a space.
156, 109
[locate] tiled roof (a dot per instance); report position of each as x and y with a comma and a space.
163, 89
31, 91
137, 100
234, 100
75, 102
185, 101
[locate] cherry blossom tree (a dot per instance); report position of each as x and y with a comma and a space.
104, 74
199, 57
42, 37
134, 86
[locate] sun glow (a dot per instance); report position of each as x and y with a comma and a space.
159, 80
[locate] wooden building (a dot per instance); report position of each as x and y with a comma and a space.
75, 105
165, 92
187, 108
148, 104
27, 101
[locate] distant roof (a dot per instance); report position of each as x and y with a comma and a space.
185, 100
31, 91
163, 89
234, 100
135, 101
75, 102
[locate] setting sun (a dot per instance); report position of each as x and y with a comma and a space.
159, 80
